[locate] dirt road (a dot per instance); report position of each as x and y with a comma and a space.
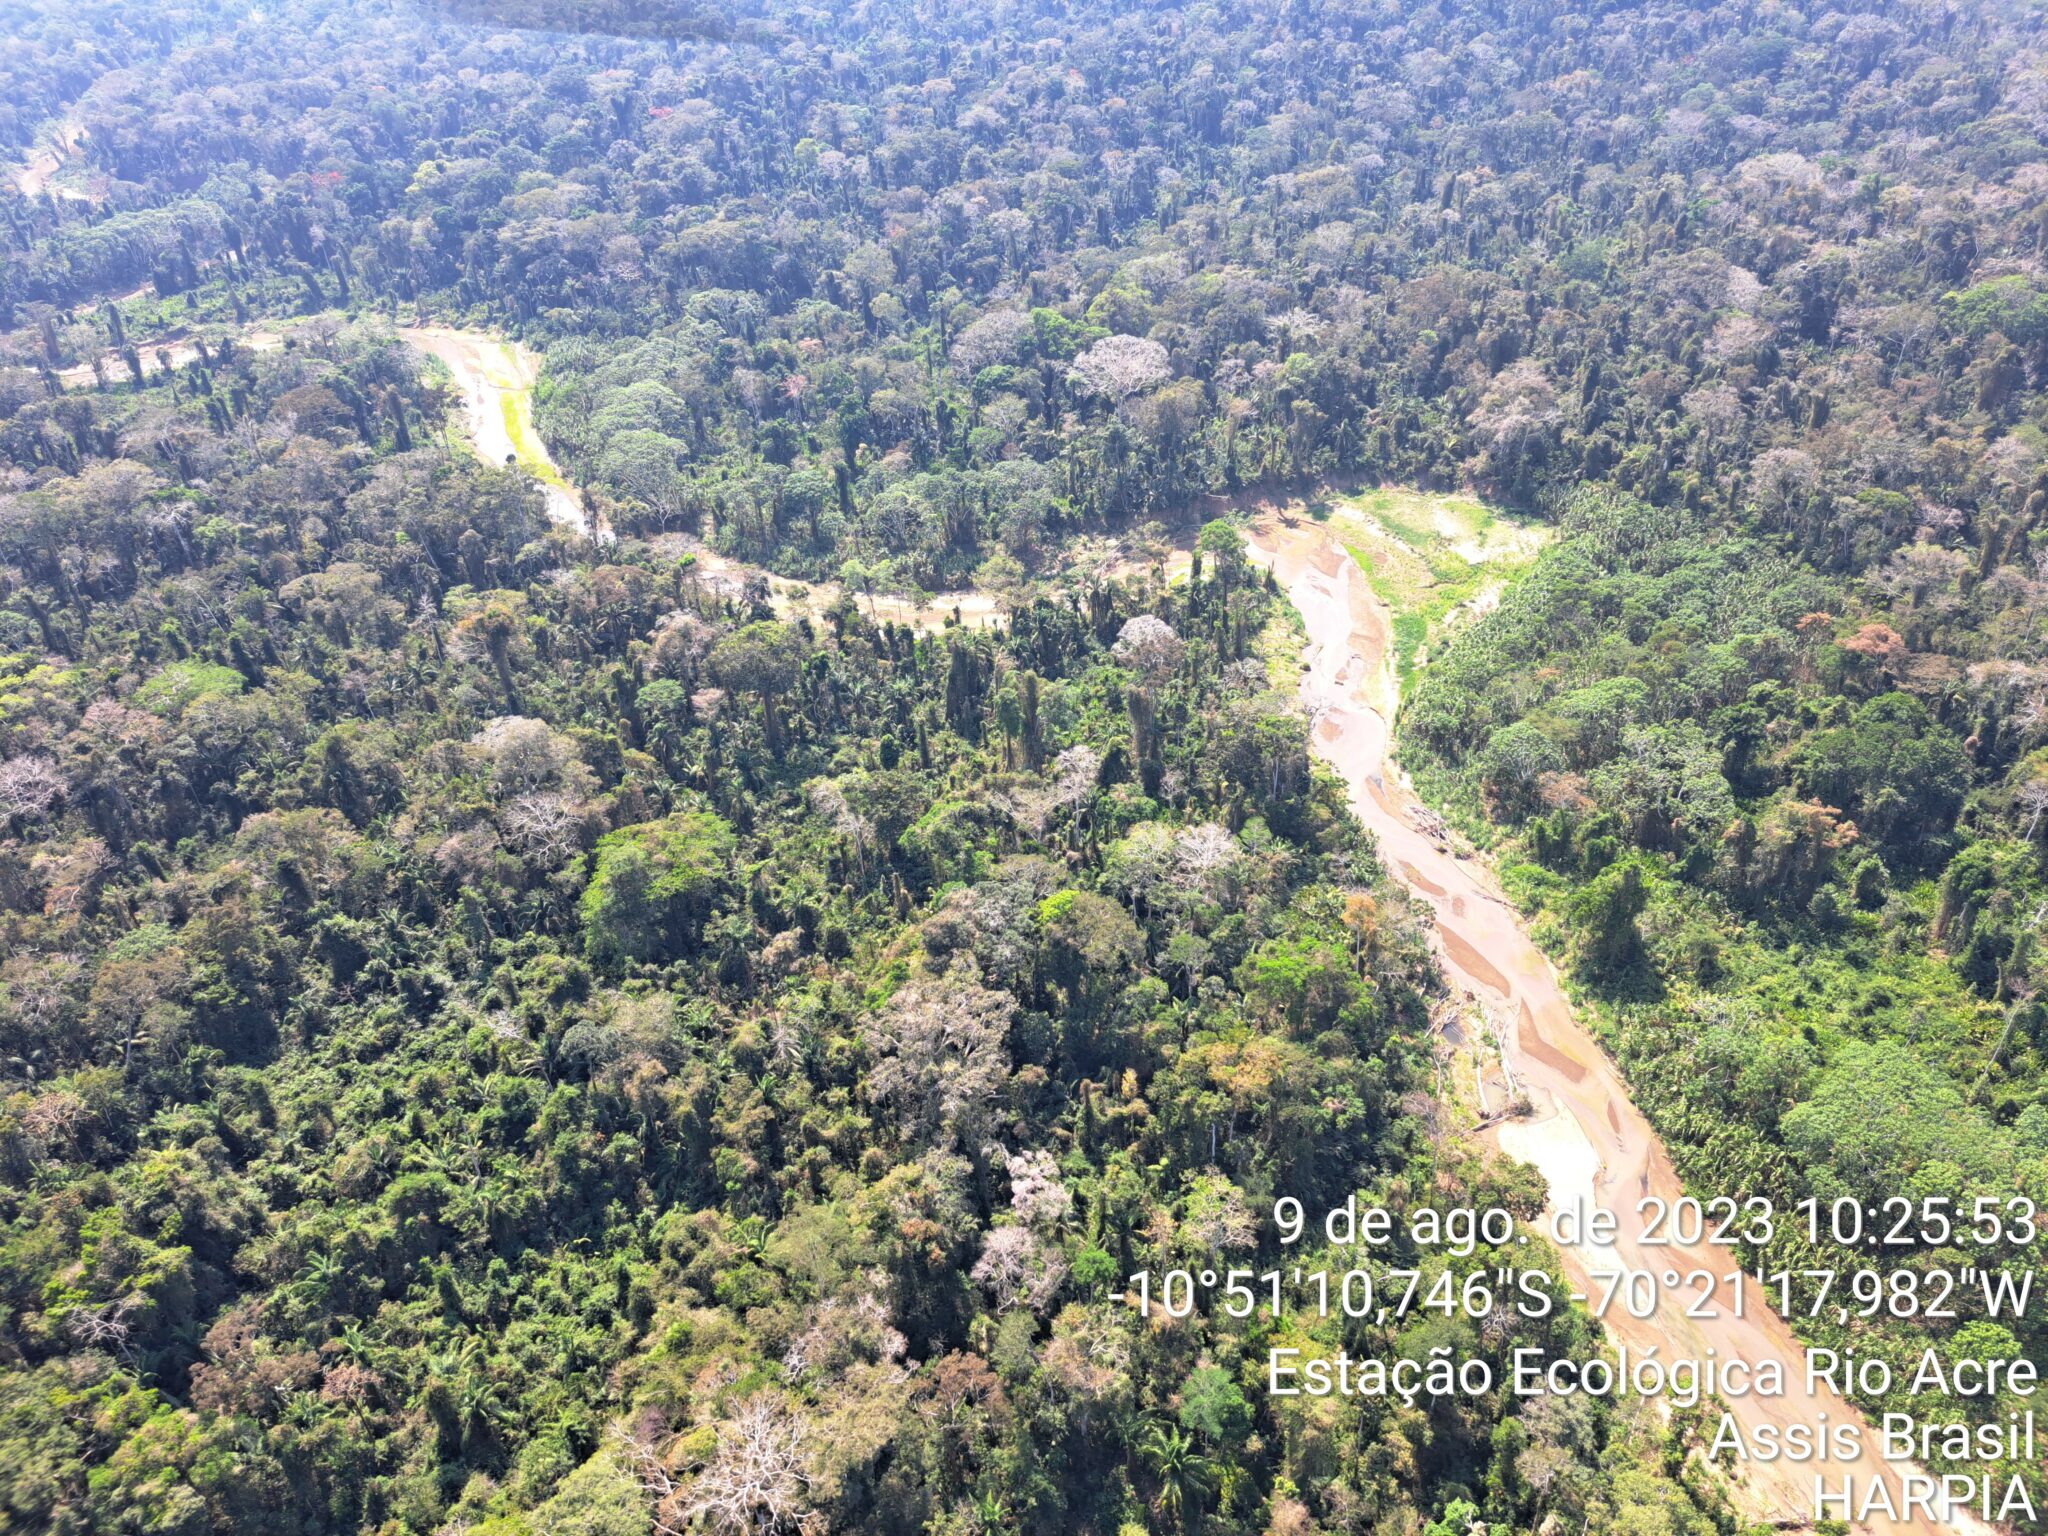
1586, 1136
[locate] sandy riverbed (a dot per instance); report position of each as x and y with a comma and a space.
496, 379
46, 159
1586, 1136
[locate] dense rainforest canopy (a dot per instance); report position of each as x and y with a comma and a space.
500, 1032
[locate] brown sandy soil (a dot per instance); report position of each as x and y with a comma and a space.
180, 352
36, 172
46, 160
1586, 1136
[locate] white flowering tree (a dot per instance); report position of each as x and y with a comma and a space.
522, 754
1117, 367
1037, 1195
997, 337
1019, 1270
939, 1055
30, 789
1149, 646
756, 1483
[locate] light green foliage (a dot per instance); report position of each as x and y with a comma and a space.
652, 886
1213, 1407
1597, 715
183, 682
2015, 306
1880, 1121
600, 1498
1664, 782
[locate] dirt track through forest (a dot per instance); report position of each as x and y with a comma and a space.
48, 157
1586, 1136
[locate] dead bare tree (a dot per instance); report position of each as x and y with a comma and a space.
109, 1326
756, 1483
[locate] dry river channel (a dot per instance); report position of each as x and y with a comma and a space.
1591, 1143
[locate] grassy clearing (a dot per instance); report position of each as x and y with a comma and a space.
1433, 560
533, 458
1281, 645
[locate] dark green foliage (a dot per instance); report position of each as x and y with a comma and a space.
468, 994
1893, 768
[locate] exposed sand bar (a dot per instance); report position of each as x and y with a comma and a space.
1586, 1136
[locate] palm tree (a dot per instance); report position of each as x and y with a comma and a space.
323, 1272
1184, 1473
358, 1347
497, 627
750, 1233
480, 1405
462, 1397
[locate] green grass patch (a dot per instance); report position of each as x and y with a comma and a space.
1411, 633
183, 682
1280, 646
526, 443
1416, 551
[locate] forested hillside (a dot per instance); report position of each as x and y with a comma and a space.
496, 1026
499, 1032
